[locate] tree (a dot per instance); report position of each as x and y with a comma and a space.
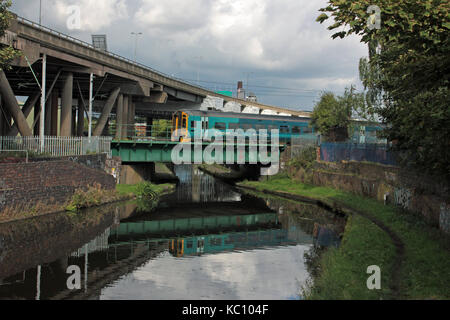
7, 53
408, 72
331, 116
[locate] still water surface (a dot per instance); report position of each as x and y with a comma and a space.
204, 241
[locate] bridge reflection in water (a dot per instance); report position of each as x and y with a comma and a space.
240, 247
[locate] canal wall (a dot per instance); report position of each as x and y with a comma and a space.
416, 193
47, 182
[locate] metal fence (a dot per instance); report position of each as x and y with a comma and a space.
336, 151
300, 142
58, 146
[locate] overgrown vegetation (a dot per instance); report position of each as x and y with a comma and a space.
305, 159
424, 273
407, 73
7, 53
93, 196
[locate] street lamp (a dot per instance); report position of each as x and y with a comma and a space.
136, 34
198, 72
248, 75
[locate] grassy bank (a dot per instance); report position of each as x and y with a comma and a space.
424, 264
143, 189
88, 198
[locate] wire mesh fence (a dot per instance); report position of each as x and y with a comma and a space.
338, 151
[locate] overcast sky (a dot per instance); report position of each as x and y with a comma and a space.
290, 57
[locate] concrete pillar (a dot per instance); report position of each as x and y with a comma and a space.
131, 116
125, 117
2, 119
105, 131
119, 116
106, 112
27, 107
149, 128
54, 115
80, 119
10, 103
66, 106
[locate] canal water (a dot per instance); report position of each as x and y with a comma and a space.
207, 240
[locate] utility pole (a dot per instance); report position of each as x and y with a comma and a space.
198, 69
136, 34
42, 119
40, 12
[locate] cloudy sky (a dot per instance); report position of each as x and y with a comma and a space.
276, 44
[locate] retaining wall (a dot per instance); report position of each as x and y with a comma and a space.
425, 195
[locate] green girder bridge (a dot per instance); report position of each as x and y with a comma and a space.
144, 151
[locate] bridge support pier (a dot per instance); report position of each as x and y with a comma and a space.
125, 117
26, 109
10, 103
135, 173
106, 112
66, 106
119, 116
131, 116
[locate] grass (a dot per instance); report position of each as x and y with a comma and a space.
424, 273
137, 190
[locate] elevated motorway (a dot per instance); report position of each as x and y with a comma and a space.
75, 70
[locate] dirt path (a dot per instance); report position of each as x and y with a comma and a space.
339, 207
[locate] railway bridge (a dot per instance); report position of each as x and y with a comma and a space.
66, 80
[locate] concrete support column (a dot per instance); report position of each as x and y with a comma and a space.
12, 106
27, 107
106, 112
2, 119
66, 106
105, 131
119, 116
54, 113
131, 116
125, 117
149, 128
80, 119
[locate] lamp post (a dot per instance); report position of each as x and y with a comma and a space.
248, 76
136, 34
198, 71
40, 12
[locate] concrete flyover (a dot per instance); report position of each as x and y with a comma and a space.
74, 71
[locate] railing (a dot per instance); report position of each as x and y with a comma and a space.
111, 54
58, 146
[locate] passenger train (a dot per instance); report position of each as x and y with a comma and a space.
186, 122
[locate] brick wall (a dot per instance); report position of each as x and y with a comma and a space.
49, 182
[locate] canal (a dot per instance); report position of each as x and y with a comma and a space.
207, 240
